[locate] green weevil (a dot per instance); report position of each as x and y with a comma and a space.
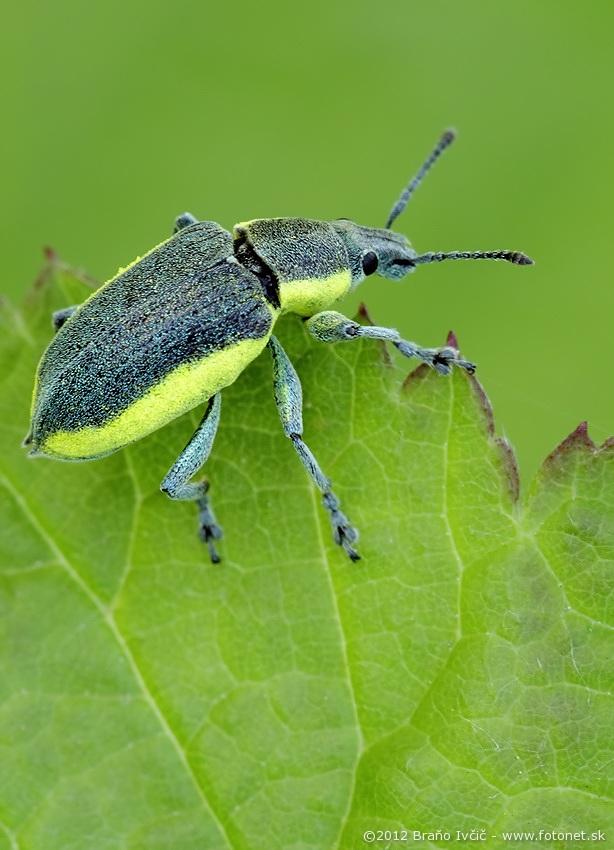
179, 324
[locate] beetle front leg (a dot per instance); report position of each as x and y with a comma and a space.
177, 484
289, 401
330, 326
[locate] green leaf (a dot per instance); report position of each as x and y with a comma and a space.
458, 677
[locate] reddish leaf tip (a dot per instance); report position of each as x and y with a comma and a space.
578, 440
579, 437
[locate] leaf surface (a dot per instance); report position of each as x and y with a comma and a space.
458, 677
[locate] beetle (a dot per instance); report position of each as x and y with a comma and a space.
179, 324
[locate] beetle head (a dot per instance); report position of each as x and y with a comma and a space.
390, 254
373, 250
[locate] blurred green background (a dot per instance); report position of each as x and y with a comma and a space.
118, 116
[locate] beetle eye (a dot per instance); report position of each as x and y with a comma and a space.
369, 263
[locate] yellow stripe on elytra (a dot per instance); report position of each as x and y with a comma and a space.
310, 296
181, 390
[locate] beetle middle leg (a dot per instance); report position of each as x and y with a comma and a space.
184, 220
177, 484
330, 326
61, 316
289, 400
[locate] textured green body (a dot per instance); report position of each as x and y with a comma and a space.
175, 327
309, 259
161, 337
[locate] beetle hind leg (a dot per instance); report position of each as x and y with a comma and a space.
288, 397
177, 485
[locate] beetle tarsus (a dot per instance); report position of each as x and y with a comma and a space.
446, 357
440, 359
208, 530
344, 534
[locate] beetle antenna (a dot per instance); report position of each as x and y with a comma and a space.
516, 257
446, 140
